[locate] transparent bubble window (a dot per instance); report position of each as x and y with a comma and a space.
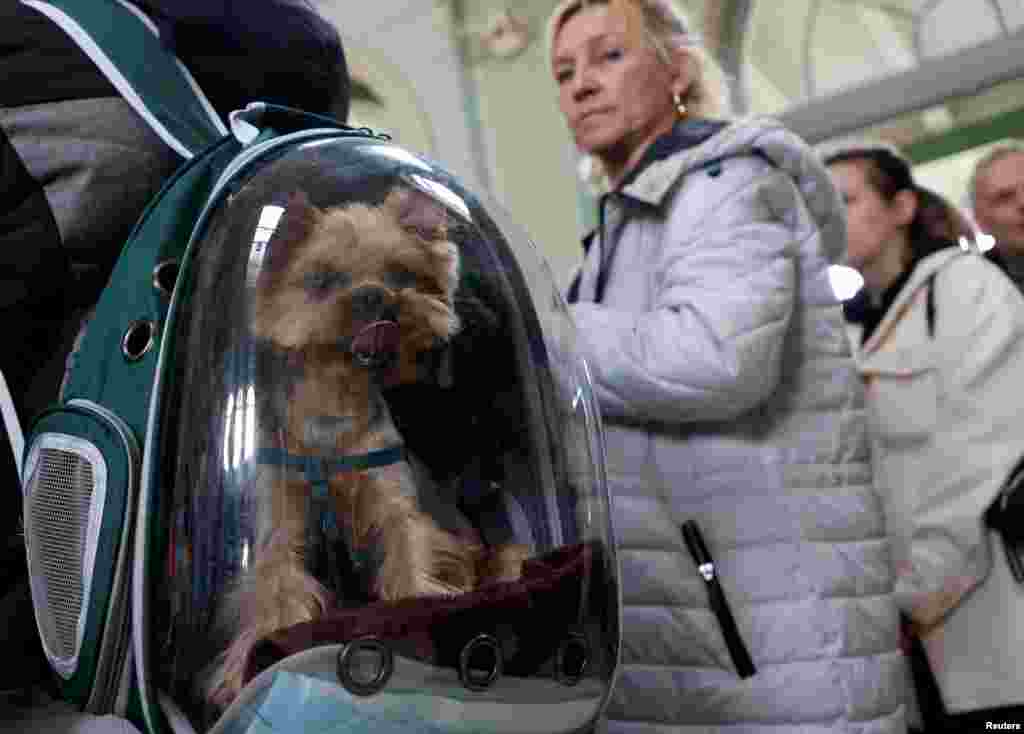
382, 485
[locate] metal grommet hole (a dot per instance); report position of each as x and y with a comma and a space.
572, 659
165, 275
138, 339
480, 663
365, 666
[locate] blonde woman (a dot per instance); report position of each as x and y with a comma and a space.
756, 584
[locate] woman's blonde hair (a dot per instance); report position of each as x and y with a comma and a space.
665, 28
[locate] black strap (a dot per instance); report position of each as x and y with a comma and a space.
929, 306
929, 695
716, 597
1003, 516
573, 295
604, 262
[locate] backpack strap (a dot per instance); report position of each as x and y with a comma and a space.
125, 45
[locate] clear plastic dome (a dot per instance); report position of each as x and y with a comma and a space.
382, 491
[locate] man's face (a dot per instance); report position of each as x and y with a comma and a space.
999, 203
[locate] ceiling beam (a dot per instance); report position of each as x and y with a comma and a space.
999, 127
936, 80
897, 9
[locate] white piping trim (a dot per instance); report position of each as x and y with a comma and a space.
206, 104
141, 16
243, 130
137, 587
10, 417
247, 156
207, 107
94, 52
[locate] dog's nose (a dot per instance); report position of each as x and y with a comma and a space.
369, 302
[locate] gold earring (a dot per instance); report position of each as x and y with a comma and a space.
680, 107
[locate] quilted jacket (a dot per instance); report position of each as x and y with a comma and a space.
943, 371
726, 382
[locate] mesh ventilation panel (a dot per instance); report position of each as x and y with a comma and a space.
61, 526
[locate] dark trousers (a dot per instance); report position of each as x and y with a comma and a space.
972, 721
933, 711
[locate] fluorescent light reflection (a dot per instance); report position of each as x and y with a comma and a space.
442, 192
270, 216
981, 242
245, 555
228, 421
845, 281
239, 428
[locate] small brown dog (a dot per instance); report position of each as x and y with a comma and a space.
353, 296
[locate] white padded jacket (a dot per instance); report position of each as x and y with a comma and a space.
730, 397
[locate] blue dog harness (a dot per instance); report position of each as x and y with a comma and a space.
324, 534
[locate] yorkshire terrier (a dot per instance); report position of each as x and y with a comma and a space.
353, 297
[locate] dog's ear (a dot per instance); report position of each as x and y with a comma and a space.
418, 213
297, 222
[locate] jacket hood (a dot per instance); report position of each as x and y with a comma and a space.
768, 138
919, 277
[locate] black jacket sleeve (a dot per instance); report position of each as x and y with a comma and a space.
241, 51
39, 63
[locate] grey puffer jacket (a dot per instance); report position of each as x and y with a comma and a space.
730, 398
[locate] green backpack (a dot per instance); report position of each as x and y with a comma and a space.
307, 325
83, 466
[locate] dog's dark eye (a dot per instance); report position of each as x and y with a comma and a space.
320, 282
400, 277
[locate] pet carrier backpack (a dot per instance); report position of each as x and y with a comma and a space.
307, 310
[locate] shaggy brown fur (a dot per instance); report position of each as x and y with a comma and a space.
326, 277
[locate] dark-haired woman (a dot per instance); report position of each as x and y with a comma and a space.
937, 334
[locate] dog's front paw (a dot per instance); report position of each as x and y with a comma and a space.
502, 563
276, 594
230, 675
421, 559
